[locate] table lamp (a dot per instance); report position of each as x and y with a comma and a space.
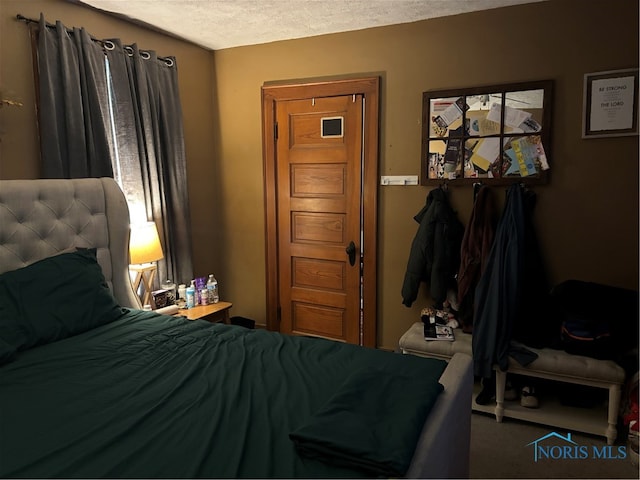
144, 251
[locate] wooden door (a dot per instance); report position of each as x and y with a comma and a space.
309, 222
319, 149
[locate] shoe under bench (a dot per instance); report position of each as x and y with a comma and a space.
555, 365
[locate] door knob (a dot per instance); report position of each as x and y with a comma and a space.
351, 251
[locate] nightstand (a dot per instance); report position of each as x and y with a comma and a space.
214, 312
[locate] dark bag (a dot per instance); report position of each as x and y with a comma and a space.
588, 337
598, 321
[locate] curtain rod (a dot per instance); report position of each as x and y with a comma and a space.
31, 20
25, 19
105, 43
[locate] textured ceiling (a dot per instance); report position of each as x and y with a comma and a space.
217, 24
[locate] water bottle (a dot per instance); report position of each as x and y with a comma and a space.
191, 295
212, 288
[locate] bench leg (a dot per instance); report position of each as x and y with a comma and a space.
614, 408
501, 382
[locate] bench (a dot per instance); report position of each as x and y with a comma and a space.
556, 365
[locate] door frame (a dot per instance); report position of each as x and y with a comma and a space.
369, 87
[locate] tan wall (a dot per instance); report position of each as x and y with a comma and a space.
587, 217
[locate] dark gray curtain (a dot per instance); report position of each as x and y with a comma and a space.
86, 86
146, 93
74, 110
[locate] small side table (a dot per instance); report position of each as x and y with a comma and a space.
214, 312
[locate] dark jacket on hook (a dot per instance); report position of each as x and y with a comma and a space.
435, 251
535, 326
474, 252
497, 293
509, 290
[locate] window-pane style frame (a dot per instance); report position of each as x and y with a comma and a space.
495, 134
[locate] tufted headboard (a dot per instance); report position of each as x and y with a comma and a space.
41, 218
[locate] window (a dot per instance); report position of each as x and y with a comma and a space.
125, 173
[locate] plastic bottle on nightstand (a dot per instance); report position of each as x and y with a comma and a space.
182, 292
212, 288
204, 296
182, 296
191, 294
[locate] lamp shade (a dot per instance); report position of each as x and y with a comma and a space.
144, 245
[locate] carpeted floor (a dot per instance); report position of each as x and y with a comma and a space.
502, 450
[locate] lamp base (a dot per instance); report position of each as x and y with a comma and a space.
145, 275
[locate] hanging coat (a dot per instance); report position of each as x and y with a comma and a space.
474, 252
498, 292
535, 325
435, 251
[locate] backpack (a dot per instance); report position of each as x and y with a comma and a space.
598, 321
587, 337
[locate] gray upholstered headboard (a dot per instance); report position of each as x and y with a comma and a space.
41, 218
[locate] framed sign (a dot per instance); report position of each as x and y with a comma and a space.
610, 104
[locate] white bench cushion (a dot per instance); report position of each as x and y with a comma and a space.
413, 342
551, 363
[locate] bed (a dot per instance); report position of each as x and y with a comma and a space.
93, 387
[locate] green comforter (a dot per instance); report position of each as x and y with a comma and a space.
151, 396
372, 422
